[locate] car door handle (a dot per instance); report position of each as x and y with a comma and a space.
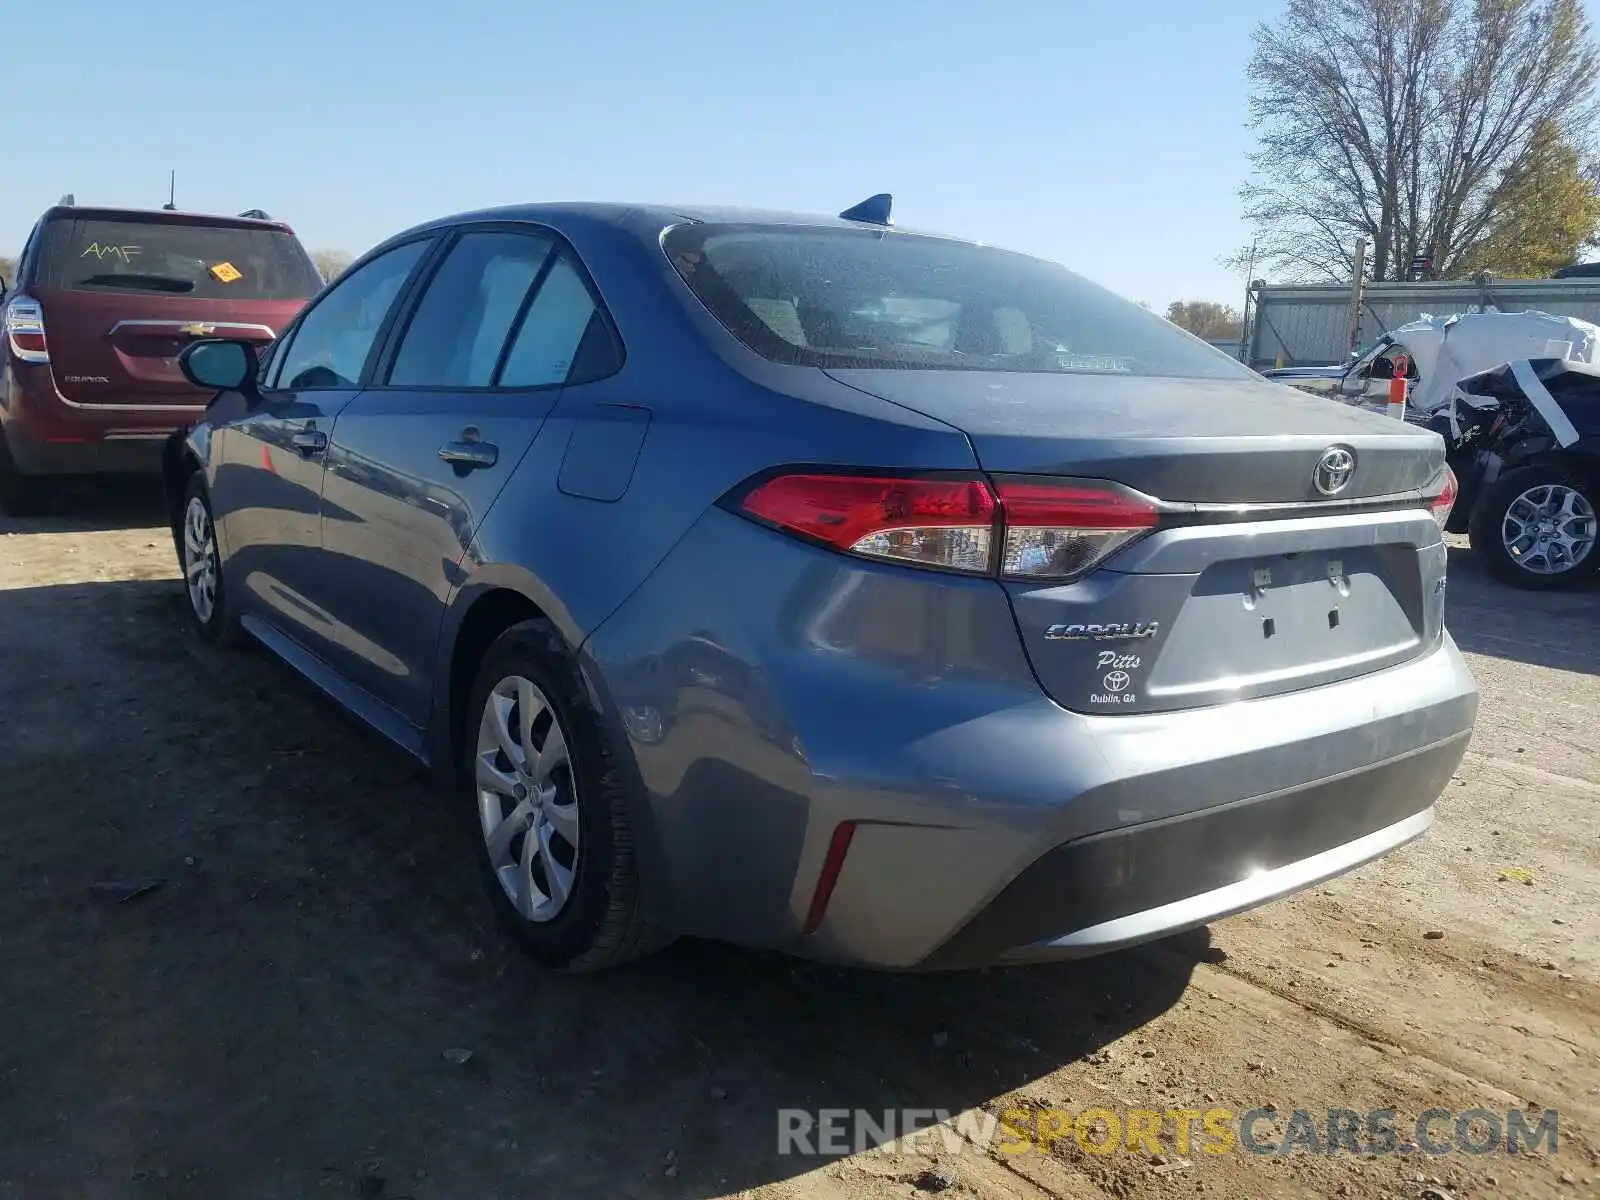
309, 441
470, 454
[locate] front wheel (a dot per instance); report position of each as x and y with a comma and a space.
1536, 528
547, 809
201, 563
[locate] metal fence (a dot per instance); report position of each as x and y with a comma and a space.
1294, 325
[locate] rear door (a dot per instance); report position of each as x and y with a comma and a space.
417, 459
122, 294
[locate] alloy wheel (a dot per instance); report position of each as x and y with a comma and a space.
526, 799
200, 559
1549, 529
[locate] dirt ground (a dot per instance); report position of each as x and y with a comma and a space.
274, 1020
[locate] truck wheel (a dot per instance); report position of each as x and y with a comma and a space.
1536, 529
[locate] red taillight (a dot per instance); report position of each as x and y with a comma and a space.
1058, 530
1441, 504
933, 522
24, 325
1022, 529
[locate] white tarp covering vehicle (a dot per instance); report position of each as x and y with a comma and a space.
1444, 349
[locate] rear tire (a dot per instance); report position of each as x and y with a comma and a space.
20, 495
547, 811
1553, 510
200, 561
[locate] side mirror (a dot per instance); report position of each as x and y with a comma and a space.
219, 364
1382, 368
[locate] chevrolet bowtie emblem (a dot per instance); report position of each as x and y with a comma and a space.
197, 329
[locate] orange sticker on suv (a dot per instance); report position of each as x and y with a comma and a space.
226, 272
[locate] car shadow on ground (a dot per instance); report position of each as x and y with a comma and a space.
313, 997
1558, 629
91, 504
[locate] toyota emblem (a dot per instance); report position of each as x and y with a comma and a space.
1334, 470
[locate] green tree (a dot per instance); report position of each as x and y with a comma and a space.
1206, 318
1406, 121
1549, 210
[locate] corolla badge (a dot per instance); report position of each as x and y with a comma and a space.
1334, 470
1108, 632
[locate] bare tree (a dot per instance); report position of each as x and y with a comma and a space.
330, 264
1403, 120
8, 270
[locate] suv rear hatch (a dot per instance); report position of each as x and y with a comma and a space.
123, 292
1251, 581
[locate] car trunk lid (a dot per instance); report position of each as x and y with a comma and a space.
1255, 581
1204, 441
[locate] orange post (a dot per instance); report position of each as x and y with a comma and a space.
1398, 386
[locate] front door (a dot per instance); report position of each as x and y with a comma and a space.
418, 458
267, 493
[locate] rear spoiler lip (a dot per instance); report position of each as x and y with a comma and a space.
162, 216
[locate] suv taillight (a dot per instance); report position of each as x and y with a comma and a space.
24, 322
1441, 504
1020, 529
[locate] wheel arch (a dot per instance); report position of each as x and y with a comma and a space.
179, 460
496, 599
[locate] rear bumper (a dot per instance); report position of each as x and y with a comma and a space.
989, 823
1148, 881
113, 454
48, 435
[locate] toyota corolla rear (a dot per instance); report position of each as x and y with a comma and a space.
1152, 642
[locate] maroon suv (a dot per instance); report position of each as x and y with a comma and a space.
104, 300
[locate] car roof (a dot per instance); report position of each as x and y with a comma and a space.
649, 218
160, 215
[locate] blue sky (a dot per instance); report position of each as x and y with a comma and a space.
1107, 136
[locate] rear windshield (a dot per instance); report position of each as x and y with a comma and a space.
826, 297
165, 258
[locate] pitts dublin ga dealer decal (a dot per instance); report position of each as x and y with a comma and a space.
1117, 668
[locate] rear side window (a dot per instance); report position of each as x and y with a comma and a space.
173, 259
562, 337
827, 297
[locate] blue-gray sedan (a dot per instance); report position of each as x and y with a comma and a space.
811, 583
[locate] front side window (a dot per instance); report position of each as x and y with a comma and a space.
836, 297
460, 326
330, 345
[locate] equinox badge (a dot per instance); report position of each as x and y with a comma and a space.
1112, 632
